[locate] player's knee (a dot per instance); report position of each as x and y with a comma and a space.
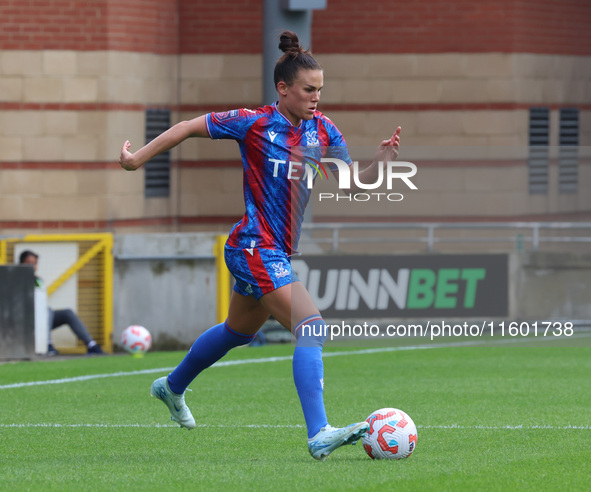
311, 332
235, 338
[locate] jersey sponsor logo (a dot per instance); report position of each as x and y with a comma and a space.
315, 167
249, 289
272, 135
279, 270
294, 170
224, 115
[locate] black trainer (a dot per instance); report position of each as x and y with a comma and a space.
95, 349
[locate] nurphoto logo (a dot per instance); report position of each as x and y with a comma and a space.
388, 172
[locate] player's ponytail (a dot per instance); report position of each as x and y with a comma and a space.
294, 58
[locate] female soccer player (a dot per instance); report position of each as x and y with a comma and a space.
259, 247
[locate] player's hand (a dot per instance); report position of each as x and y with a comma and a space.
388, 149
125, 159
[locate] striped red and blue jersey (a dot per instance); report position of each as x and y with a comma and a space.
275, 186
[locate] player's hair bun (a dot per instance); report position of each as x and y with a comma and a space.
294, 58
289, 43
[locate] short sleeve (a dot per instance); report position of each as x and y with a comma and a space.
337, 146
232, 124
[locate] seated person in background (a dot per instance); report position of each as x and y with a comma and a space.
61, 317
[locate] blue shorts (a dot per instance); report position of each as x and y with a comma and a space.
259, 271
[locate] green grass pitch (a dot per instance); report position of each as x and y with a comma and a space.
493, 418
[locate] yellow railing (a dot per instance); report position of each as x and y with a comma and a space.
95, 280
223, 280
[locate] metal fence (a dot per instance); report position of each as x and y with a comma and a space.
517, 235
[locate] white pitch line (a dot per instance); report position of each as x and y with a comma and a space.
146, 426
289, 357
507, 427
268, 426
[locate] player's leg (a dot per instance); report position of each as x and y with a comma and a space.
245, 317
245, 314
294, 308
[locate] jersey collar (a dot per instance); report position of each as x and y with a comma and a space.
285, 117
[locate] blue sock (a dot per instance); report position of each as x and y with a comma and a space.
210, 347
308, 371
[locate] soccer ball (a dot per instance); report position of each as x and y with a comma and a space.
392, 435
136, 339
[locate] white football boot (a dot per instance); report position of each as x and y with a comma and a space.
179, 411
330, 438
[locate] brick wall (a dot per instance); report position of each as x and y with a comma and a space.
464, 26
414, 26
222, 26
143, 25
53, 24
130, 25
346, 26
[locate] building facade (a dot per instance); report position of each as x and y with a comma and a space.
494, 100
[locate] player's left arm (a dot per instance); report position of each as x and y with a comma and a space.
387, 151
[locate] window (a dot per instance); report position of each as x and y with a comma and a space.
539, 140
157, 170
568, 159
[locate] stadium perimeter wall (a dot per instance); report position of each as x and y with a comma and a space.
76, 79
176, 298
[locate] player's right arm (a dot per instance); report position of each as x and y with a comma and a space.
163, 142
